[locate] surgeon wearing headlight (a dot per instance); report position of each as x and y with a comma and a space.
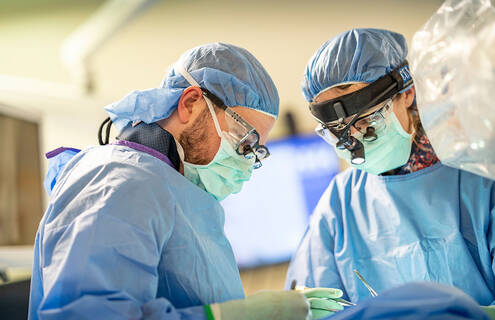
397, 215
134, 227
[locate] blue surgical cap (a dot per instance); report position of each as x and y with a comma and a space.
357, 55
231, 73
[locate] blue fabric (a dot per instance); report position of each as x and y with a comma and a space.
416, 301
357, 55
55, 165
126, 236
436, 224
231, 73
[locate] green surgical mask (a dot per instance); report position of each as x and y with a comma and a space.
390, 150
226, 173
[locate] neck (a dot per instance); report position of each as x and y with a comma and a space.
180, 151
422, 155
155, 137
168, 125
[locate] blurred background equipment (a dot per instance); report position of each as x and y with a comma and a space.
20, 181
453, 61
15, 270
14, 299
266, 221
82, 44
61, 61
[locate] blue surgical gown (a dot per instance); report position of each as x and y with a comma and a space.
415, 301
125, 236
436, 224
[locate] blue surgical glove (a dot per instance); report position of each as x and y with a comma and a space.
305, 304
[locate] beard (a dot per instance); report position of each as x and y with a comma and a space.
194, 140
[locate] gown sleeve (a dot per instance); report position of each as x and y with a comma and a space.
415, 301
314, 261
491, 233
101, 244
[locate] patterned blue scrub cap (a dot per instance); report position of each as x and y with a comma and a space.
231, 73
357, 55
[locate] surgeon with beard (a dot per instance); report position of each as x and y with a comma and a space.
134, 227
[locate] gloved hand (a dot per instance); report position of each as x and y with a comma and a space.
274, 305
290, 305
321, 301
490, 310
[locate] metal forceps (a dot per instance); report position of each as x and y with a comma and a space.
342, 302
366, 284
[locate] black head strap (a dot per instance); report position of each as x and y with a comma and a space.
356, 102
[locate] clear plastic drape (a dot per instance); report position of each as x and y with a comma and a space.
453, 63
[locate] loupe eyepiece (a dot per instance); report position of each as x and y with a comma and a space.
370, 134
355, 147
350, 143
357, 154
340, 145
346, 141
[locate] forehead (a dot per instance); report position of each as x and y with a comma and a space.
338, 92
262, 122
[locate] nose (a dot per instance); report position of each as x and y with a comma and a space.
354, 131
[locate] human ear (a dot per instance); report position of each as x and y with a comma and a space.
409, 96
187, 103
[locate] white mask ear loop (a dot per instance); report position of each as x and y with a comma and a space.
193, 82
214, 116
180, 150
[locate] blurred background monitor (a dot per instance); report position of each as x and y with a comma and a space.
267, 219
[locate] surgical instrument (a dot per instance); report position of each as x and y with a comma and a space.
370, 289
342, 302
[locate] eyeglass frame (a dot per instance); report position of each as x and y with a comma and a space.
388, 104
246, 125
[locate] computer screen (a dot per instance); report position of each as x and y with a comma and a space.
266, 220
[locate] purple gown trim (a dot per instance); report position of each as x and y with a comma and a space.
54, 153
143, 148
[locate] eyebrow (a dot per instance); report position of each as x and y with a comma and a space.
343, 87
